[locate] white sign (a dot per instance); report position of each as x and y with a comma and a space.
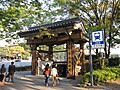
98, 39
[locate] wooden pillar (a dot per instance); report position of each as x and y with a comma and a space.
34, 70
82, 58
50, 52
70, 56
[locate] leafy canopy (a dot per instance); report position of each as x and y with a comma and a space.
16, 15
97, 15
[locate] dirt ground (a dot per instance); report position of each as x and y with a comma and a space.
113, 85
110, 85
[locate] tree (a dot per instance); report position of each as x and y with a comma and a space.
12, 52
61, 54
16, 15
97, 14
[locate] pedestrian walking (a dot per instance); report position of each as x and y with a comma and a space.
3, 71
2, 83
54, 75
11, 71
47, 74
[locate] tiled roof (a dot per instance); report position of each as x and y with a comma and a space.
55, 25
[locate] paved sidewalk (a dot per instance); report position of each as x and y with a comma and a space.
25, 81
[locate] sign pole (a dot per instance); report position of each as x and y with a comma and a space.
90, 60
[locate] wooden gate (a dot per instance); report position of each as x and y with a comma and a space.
61, 32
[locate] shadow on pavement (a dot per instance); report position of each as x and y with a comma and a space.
25, 81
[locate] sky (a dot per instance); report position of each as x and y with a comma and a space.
3, 43
13, 42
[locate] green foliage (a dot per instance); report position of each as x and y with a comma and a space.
114, 61
86, 78
14, 51
59, 51
115, 70
117, 40
111, 73
97, 15
60, 47
16, 15
25, 46
59, 55
100, 63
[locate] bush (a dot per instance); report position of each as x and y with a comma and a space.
115, 70
86, 78
114, 61
99, 76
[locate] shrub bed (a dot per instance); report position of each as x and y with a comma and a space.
114, 61
111, 73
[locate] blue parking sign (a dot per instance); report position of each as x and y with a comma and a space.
98, 39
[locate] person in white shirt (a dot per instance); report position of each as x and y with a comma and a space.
54, 74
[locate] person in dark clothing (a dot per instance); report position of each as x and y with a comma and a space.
11, 71
2, 83
3, 71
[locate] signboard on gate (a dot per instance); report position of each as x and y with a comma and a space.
98, 39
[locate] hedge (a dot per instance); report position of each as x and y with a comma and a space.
114, 61
111, 73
